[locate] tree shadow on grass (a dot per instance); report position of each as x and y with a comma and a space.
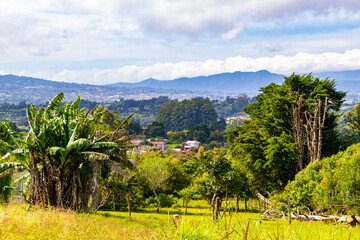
111, 214
171, 212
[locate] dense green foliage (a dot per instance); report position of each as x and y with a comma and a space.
7, 142
231, 106
178, 116
332, 184
270, 146
155, 129
144, 111
349, 126
221, 175
64, 151
134, 128
5, 190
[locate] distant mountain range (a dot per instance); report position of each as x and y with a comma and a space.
348, 81
14, 89
236, 82
242, 82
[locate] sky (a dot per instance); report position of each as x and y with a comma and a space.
108, 41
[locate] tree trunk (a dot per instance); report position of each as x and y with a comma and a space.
314, 123
94, 194
264, 205
236, 204
245, 202
298, 130
158, 201
80, 187
212, 206
58, 188
113, 202
59, 201
86, 195
128, 204
34, 184
186, 205
44, 180
225, 204
215, 217
74, 193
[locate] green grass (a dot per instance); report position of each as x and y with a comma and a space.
173, 145
16, 222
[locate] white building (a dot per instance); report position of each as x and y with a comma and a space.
191, 145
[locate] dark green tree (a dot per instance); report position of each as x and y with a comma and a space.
134, 128
274, 144
199, 133
156, 129
178, 116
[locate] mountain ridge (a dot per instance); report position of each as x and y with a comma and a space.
228, 82
17, 88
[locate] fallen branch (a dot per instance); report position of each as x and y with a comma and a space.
351, 220
268, 202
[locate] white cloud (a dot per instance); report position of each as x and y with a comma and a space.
168, 31
184, 15
197, 15
233, 33
299, 63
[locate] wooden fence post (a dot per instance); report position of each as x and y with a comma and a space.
289, 210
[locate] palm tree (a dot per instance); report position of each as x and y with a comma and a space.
65, 148
8, 141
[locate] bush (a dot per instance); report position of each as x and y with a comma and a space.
149, 201
166, 200
332, 184
136, 201
176, 206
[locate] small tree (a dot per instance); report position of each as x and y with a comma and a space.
219, 171
186, 194
154, 168
116, 187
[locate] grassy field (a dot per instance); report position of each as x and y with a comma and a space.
17, 222
173, 145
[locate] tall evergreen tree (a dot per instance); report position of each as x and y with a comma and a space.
275, 143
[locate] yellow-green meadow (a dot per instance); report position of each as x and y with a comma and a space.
19, 222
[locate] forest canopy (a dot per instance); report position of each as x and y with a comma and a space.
178, 116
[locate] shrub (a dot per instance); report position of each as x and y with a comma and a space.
332, 184
166, 200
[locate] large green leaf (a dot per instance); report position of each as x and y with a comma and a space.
102, 145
